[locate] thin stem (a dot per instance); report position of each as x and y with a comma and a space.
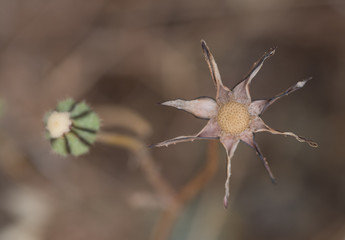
147, 163
175, 201
188, 192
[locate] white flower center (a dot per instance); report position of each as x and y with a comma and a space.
58, 124
233, 118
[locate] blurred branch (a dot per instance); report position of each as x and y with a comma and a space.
174, 202
120, 116
187, 193
146, 161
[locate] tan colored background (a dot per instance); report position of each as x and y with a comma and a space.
130, 55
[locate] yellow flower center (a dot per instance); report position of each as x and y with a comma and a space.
233, 118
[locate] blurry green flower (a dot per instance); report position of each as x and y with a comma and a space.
71, 128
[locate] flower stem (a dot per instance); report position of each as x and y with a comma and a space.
146, 161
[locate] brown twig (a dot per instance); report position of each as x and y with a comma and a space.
187, 193
174, 201
148, 165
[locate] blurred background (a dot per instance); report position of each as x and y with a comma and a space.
123, 57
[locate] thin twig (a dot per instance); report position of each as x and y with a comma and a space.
166, 222
146, 161
175, 201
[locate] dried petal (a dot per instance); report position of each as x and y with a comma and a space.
230, 145
259, 106
249, 139
203, 107
222, 91
210, 131
258, 125
241, 90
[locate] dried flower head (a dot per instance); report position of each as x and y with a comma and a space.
233, 116
71, 127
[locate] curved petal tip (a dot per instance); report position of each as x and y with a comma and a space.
226, 202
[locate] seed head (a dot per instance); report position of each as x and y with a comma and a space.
233, 118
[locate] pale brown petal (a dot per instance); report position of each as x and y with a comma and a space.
258, 125
230, 144
259, 106
249, 139
210, 131
203, 107
241, 90
222, 91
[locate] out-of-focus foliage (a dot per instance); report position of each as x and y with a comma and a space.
127, 56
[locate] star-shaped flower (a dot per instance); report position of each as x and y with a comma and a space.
232, 116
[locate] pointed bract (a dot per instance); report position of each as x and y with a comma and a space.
230, 144
203, 107
210, 131
222, 91
258, 125
249, 139
259, 106
241, 90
